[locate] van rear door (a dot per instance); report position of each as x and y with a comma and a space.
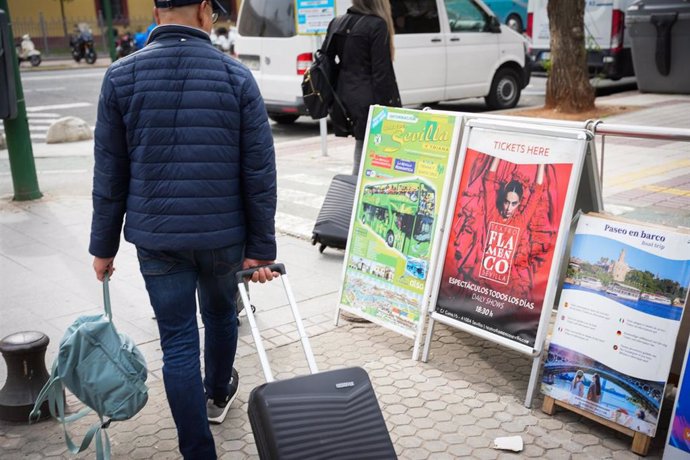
269, 45
420, 51
472, 50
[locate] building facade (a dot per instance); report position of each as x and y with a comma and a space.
55, 19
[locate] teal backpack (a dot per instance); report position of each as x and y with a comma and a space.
103, 369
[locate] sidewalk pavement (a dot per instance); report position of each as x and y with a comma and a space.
469, 392
49, 63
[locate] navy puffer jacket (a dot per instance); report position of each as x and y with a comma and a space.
184, 149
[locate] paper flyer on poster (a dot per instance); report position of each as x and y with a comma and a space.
618, 319
678, 441
509, 211
396, 215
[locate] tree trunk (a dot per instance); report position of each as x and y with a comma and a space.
567, 88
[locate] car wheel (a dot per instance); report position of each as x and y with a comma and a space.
283, 118
515, 23
505, 90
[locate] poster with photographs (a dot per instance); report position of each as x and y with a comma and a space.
514, 197
618, 319
395, 221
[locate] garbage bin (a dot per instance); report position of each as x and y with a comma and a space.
660, 44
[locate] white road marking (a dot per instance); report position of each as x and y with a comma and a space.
293, 225
309, 179
62, 77
311, 200
73, 105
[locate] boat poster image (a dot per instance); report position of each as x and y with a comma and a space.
618, 319
396, 215
504, 231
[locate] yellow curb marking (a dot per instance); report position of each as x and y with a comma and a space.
669, 190
646, 173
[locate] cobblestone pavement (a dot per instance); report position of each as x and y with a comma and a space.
468, 393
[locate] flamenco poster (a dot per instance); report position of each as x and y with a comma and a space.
514, 201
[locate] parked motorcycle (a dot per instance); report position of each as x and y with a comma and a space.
26, 51
82, 44
124, 45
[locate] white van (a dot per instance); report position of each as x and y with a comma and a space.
608, 46
444, 50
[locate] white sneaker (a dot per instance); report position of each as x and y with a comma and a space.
217, 410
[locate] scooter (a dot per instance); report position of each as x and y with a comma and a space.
26, 51
82, 44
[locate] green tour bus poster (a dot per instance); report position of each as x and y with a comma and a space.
402, 187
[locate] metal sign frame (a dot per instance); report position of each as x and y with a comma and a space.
435, 246
574, 182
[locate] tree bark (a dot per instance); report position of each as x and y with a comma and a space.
567, 87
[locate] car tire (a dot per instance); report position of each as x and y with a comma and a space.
514, 22
283, 118
505, 90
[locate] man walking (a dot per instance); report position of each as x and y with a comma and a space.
183, 149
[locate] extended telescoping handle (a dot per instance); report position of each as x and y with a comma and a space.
256, 334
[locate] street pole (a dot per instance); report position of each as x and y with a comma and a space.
108, 11
323, 128
18, 137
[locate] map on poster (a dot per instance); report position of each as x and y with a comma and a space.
678, 442
396, 215
618, 318
313, 16
514, 201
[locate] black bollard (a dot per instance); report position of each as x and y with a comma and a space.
24, 353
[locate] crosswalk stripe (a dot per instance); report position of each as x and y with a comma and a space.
33, 115
72, 105
308, 179
311, 200
42, 121
294, 225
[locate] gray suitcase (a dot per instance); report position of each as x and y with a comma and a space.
325, 415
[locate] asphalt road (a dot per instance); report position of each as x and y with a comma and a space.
57, 93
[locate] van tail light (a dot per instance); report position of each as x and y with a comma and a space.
530, 24
617, 27
303, 62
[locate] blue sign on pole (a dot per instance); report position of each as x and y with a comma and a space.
313, 16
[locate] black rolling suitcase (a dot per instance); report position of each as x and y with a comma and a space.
333, 224
325, 415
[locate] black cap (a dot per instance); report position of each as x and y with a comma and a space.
217, 7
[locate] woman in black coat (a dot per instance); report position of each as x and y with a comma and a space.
363, 43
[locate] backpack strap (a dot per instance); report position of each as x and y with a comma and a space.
53, 392
106, 297
348, 25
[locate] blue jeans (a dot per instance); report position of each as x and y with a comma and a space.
173, 280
